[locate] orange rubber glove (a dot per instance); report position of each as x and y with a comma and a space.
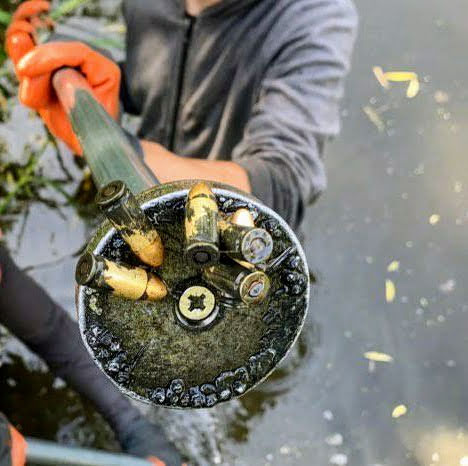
18, 448
12, 444
155, 461
20, 32
35, 71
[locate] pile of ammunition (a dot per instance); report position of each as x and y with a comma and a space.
208, 234
121, 208
132, 283
227, 250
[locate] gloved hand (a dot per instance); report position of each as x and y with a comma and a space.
146, 440
12, 444
20, 32
35, 71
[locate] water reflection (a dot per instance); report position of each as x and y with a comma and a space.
440, 446
42, 406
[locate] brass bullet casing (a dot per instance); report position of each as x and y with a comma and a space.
127, 282
121, 208
251, 286
201, 226
155, 289
245, 243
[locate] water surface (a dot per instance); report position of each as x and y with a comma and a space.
327, 404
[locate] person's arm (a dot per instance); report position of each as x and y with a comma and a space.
297, 110
279, 158
171, 167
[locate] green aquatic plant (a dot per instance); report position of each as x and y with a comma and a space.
5, 18
26, 181
22, 182
65, 8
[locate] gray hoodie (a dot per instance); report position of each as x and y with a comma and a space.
257, 82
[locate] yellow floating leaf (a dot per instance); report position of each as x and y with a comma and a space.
374, 117
390, 291
399, 411
441, 97
400, 76
380, 76
393, 266
413, 88
434, 219
378, 357
117, 28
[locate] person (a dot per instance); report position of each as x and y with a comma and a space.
30, 314
243, 92
12, 444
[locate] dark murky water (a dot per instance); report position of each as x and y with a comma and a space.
327, 404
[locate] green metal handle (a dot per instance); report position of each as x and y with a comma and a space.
43, 452
106, 148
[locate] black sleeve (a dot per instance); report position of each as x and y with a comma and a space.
33, 317
125, 98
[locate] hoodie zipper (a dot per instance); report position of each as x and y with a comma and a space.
189, 22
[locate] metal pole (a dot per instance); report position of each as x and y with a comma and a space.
42, 452
109, 154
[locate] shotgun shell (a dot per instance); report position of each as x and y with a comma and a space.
201, 226
121, 208
253, 245
252, 287
127, 282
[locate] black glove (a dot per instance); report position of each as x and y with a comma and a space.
145, 440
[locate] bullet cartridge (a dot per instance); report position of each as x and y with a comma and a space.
251, 286
242, 217
155, 289
133, 283
121, 208
201, 226
245, 243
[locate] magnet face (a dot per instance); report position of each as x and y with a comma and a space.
155, 353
